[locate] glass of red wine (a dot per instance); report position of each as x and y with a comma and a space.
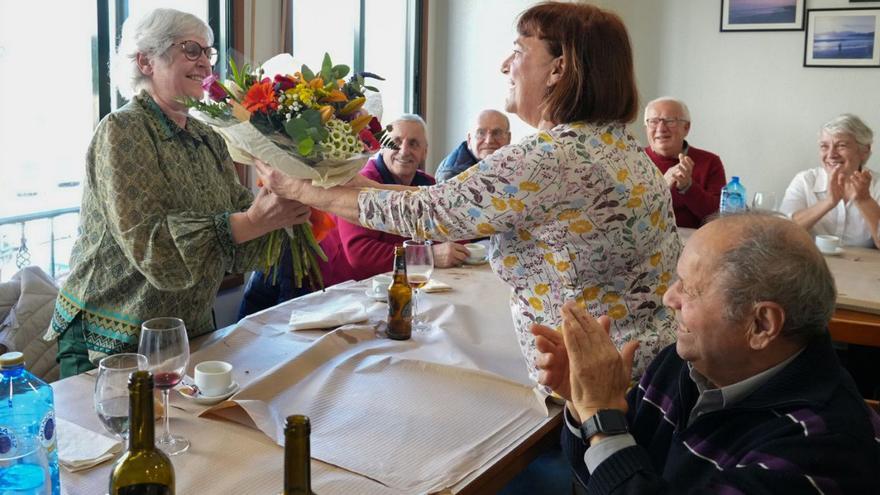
165, 344
111, 390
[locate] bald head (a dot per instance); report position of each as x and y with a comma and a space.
490, 131
762, 257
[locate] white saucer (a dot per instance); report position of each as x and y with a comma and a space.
376, 296
837, 252
186, 391
476, 262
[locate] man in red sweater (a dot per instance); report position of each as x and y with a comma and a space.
355, 252
695, 176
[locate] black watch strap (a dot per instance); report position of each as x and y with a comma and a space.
607, 421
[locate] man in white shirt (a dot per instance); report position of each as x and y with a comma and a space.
750, 399
841, 196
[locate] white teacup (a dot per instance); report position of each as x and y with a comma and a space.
213, 377
477, 252
381, 284
827, 243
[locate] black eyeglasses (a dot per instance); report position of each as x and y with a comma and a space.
193, 51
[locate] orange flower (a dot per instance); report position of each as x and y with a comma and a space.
261, 97
322, 224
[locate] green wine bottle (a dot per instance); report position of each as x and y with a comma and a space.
142, 469
297, 456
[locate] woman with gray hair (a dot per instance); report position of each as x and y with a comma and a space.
163, 216
841, 196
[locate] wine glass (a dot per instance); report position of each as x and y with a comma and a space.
111, 390
419, 265
165, 344
764, 201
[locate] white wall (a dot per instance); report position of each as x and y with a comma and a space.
467, 41
751, 99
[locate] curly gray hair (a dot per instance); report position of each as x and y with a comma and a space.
151, 35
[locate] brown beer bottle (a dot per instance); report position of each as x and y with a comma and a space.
297, 456
399, 300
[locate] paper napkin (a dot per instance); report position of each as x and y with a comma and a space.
332, 312
79, 448
435, 285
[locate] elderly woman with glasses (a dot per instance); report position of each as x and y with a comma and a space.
163, 216
575, 211
840, 196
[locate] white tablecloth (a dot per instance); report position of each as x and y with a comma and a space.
463, 394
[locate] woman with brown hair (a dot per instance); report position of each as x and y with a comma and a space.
574, 211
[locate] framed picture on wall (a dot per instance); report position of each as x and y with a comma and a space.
762, 15
842, 38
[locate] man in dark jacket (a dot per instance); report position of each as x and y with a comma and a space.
491, 130
751, 398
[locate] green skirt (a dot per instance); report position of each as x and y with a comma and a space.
73, 356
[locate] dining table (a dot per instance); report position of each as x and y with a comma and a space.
451, 410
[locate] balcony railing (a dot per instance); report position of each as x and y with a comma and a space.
30, 242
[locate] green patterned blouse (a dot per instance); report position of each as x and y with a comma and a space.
154, 234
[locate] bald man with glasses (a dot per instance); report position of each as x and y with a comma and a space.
695, 177
491, 130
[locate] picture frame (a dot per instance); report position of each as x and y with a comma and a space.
762, 15
842, 38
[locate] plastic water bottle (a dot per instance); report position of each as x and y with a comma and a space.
733, 197
28, 450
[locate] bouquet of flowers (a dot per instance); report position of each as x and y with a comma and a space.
309, 125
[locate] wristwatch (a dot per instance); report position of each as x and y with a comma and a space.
607, 421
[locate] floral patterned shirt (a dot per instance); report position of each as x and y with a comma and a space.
154, 235
575, 213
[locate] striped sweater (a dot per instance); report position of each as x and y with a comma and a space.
806, 430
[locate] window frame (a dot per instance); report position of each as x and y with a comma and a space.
414, 101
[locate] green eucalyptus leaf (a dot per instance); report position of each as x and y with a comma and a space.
327, 67
307, 73
306, 146
340, 71
315, 134
297, 129
312, 117
371, 88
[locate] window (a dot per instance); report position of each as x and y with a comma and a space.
56, 91
379, 36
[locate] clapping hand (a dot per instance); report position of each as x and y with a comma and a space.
552, 360
859, 185
598, 373
680, 175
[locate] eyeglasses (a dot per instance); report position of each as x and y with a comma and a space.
670, 123
496, 134
193, 51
